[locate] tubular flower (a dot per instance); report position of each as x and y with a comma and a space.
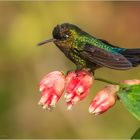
77, 86
131, 82
104, 99
51, 88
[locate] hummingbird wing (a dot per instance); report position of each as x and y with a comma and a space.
105, 58
106, 42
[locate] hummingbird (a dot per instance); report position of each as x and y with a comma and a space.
89, 52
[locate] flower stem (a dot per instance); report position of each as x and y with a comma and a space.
106, 81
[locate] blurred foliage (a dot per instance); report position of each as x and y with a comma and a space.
22, 65
136, 134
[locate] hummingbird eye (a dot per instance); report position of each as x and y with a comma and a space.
66, 36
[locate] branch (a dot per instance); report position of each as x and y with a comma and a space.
106, 81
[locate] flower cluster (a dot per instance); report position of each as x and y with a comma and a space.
76, 85
104, 99
51, 88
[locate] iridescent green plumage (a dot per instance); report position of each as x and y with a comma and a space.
87, 51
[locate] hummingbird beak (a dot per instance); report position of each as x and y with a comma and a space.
46, 41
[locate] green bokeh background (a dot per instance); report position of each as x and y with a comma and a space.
22, 65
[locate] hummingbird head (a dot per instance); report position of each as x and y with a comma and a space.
63, 34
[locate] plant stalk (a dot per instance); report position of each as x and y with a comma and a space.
106, 81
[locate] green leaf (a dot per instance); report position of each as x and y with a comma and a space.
136, 134
130, 96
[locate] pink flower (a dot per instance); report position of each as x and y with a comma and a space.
131, 82
104, 99
51, 88
77, 86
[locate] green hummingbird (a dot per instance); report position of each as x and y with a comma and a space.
87, 51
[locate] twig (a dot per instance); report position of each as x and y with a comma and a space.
106, 81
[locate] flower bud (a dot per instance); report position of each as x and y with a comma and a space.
131, 82
77, 86
104, 99
51, 88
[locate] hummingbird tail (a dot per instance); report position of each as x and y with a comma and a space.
133, 55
